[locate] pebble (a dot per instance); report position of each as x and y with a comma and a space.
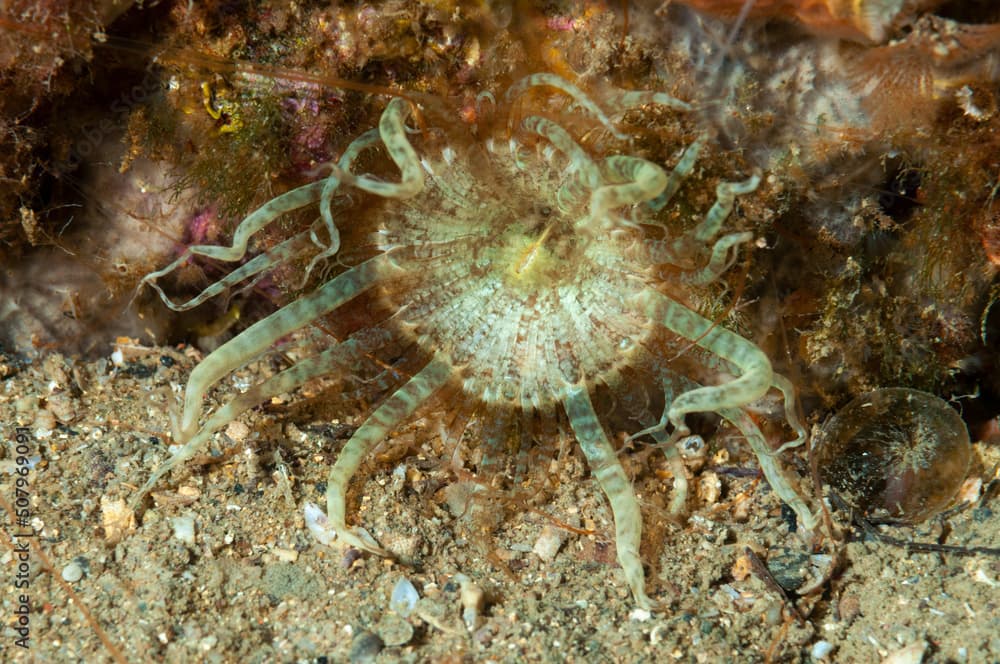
821, 650
365, 648
44, 421
26, 404
73, 572
285, 555
394, 630
62, 406
54, 369
238, 431
850, 607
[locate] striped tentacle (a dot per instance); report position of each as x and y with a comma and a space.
386, 417
258, 337
755, 369
611, 476
341, 355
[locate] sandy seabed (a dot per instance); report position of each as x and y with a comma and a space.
219, 566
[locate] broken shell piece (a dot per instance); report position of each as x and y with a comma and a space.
473, 601
404, 597
970, 491
911, 654
548, 543
789, 568
117, 519
183, 528
405, 546
318, 524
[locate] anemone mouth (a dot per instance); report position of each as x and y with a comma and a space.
504, 283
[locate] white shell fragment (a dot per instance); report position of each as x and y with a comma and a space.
911, 654
473, 601
404, 598
640, 615
117, 519
183, 528
548, 543
318, 524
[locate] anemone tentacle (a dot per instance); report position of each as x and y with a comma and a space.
755, 369
611, 477
787, 390
338, 357
258, 337
720, 261
635, 180
725, 197
386, 417
684, 167
629, 99
545, 79
765, 457
579, 160
260, 218
392, 131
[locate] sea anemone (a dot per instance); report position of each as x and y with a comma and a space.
523, 266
